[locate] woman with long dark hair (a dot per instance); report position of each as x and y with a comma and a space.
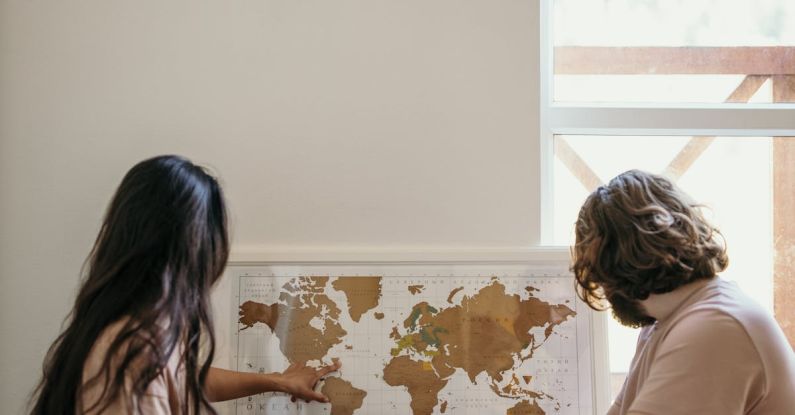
140, 336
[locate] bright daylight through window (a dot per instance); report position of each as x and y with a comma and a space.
693, 89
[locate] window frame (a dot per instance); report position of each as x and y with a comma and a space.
687, 119
649, 119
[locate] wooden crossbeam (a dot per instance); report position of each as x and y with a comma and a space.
784, 217
747, 88
698, 145
688, 155
746, 60
680, 163
576, 165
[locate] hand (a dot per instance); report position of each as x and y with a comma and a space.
299, 380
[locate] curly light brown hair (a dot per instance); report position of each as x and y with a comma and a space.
640, 235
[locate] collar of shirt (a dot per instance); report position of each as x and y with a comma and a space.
663, 306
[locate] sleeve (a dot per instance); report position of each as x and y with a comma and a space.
160, 398
707, 364
618, 402
614, 410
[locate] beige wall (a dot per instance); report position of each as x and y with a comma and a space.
345, 123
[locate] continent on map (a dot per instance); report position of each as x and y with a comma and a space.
344, 398
416, 289
526, 408
363, 293
487, 332
420, 380
301, 302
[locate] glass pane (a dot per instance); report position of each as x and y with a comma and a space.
733, 176
688, 51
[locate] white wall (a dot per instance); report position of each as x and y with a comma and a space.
345, 123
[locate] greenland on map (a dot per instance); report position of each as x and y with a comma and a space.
412, 342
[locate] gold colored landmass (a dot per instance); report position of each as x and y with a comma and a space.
440, 365
526, 408
300, 302
453, 293
421, 314
416, 289
363, 293
479, 335
252, 313
411, 341
312, 284
379, 316
514, 379
423, 385
484, 332
344, 398
512, 389
395, 334
443, 407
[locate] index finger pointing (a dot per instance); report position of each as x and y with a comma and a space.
325, 370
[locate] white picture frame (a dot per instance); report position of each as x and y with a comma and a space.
285, 262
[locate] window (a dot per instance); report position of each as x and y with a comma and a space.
670, 50
699, 90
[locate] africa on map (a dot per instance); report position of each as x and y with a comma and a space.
452, 344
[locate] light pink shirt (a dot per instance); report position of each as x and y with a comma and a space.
713, 350
163, 396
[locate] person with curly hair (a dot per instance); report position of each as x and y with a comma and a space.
644, 249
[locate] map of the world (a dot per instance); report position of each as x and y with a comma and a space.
416, 344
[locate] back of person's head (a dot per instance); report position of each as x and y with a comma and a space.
161, 247
640, 235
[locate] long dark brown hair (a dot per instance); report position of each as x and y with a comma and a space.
162, 246
640, 235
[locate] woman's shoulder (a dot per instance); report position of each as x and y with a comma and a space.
107, 355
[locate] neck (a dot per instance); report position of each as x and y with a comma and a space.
661, 306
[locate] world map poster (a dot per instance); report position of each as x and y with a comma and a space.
463, 341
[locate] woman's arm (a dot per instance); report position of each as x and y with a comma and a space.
298, 380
